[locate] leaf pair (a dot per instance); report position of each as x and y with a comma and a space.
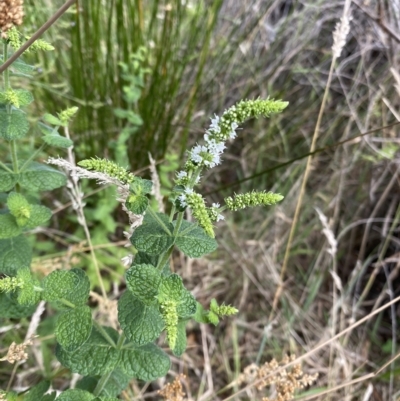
100, 355
69, 290
155, 236
154, 302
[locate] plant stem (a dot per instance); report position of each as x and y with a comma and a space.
100, 328
160, 222
104, 378
101, 383
6, 79
37, 151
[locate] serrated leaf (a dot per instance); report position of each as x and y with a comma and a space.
181, 339
137, 204
57, 141
40, 177
187, 304
11, 309
145, 363
143, 281
149, 218
152, 239
142, 186
141, 324
13, 125
7, 179
146, 259
53, 120
20, 66
116, 383
193, 241
95, 357
24, 97
39, 215
19, 207
27, 294
75, 395
73, 327
8, 226
37, 392
71, 285
170, 289
14, 254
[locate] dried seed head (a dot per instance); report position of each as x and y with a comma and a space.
17, 352
11, 14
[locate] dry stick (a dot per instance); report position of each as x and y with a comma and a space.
318, 347
301, 195
37, 34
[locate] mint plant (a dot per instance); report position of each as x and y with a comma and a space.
156, 301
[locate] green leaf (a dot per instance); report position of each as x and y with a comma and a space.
181, 339
7, 179
141, 186
95, 357
8, 226
143, 281
53, 120
19, 207
152, 239
37, 392
73, 327
145, 259
141, 324
14, 254
117, 382
146, 363
75, 395
24, 97
40, 177
27, 294
137, 204
193, 241
170, 289
39, 216
11, 309
13, 125
71, 285
187, 304
57, 141
20, 66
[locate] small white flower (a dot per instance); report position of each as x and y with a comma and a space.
216, 205
220, 217
127, 260
181, 174
215, 124
182, 200
188, 191
195, 155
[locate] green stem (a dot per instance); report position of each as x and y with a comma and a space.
101, 383
67, 303
166, 255
3, 166
100, 328
164, 258
160, 222
104, 378
37, 151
